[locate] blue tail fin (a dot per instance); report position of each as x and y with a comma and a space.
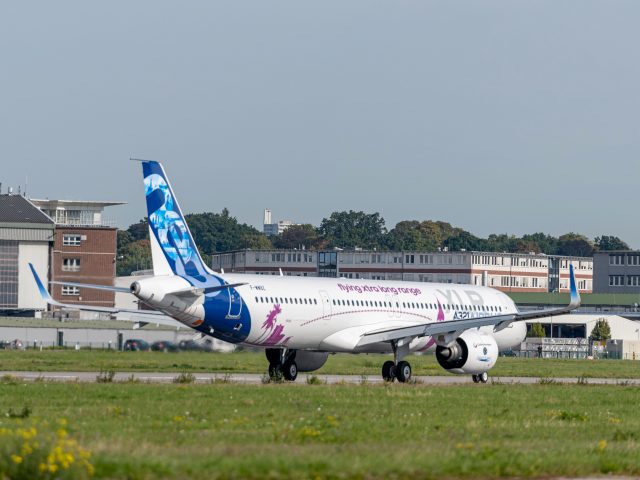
172, 246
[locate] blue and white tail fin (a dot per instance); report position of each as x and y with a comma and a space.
172, 247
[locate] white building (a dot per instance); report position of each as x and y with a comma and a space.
508, 272
26, 235
271, 228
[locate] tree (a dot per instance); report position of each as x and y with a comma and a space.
463, 240
546, 244
255, 241
124, 239
220, 232
354, 229
134, 256
607, 242
601, 330
412, 235
297, 236
573, 244
537, 331
140, 230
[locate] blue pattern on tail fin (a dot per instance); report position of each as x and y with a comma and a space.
168, 224
573, 290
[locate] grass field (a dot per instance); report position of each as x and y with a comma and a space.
255, 362
340, 431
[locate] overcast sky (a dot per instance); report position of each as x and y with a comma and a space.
497, 116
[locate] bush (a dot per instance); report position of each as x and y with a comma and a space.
41, 450
105, 376
185, 377
537, 330
601, 330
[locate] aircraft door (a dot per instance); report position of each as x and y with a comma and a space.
235, 304
326, 305
393, 311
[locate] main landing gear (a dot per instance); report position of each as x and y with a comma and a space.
480, 378
398, 368
401, 371
282, 364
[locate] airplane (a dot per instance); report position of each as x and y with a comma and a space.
299, 321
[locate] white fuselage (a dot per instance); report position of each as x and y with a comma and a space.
330, 314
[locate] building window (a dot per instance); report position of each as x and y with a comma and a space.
9, 273
633, 280
616, 280
69, 290
70, 264
71, 239
616, 260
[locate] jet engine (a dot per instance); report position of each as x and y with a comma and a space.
310, 361
474, 352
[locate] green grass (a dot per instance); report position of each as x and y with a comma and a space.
341, 431
255, 362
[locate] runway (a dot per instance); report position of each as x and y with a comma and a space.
259, 379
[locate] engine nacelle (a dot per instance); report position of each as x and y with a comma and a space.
157, 292
473, 352
310, 361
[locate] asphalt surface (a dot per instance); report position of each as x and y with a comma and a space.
258, 379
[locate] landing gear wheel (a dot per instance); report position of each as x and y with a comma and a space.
475, 378
403, 371
275, 372
388, 371
290, 371
483, 377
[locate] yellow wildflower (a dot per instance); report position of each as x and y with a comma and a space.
16, 458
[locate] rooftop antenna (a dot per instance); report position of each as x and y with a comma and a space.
0, 188
26, 181
19, 187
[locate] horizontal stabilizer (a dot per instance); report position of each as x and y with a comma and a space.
94, 286
140, 316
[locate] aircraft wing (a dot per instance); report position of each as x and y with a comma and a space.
455, 327
141, 317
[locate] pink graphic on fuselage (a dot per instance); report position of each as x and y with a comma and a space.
440, 318
272, 316
277, 337
275, 332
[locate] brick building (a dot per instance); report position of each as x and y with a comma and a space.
83, 251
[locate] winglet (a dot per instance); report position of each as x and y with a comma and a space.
43, 291
575, 295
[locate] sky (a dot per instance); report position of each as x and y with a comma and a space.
496, 116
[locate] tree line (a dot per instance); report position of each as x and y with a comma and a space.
221, 232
